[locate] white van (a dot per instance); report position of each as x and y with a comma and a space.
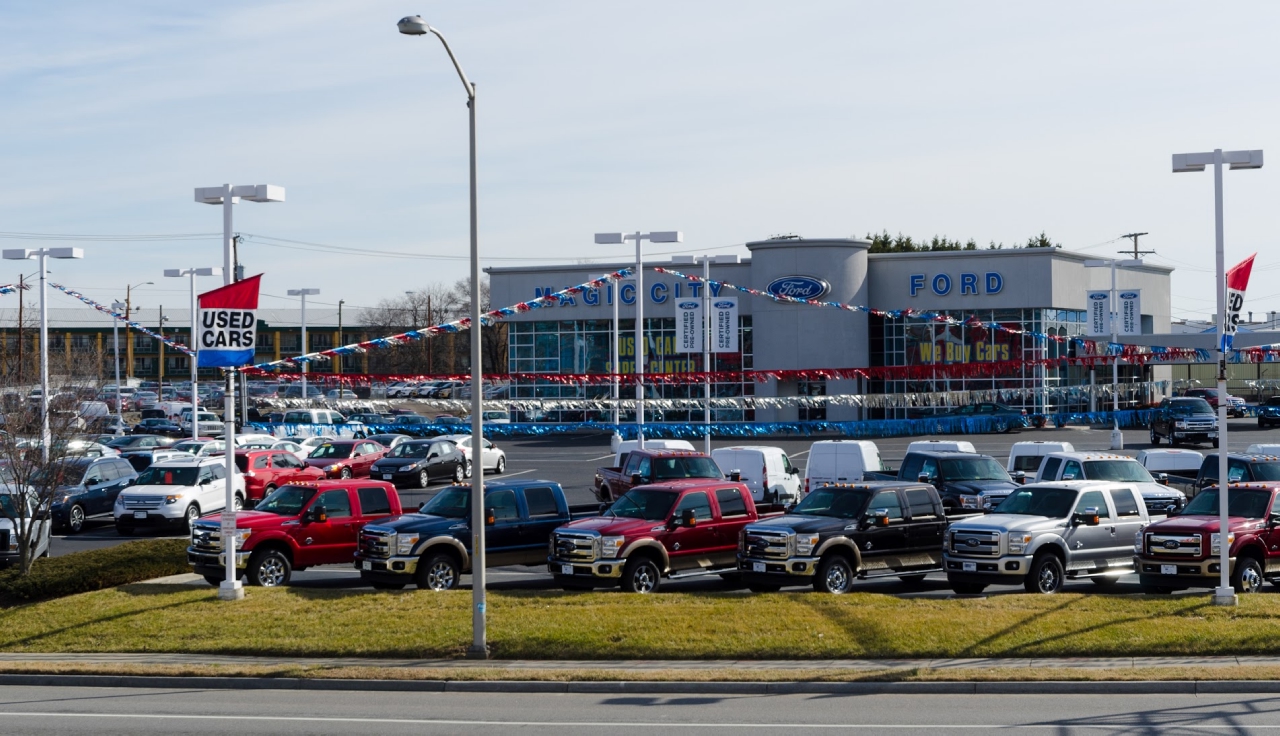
625, 447
766, 470
840, 461
173, 409
313, 416
1026, 456
1185, 463
940, 446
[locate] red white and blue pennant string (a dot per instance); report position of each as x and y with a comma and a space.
134, 325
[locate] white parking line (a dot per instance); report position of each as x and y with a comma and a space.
522, 472
602, 457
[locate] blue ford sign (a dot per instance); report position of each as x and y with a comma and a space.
688, 305
725, 305
798, 287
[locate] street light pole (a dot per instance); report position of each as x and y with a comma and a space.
669, 236
415, 26
1224, 594
306, 348
41, 254
115, 338
195, 395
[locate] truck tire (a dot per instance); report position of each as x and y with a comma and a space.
641, 575
1155, 438
835, 575
1215, 444
1046, 575
269, 568
606, 495
189, 518
440, 572
1247, 577
968, 588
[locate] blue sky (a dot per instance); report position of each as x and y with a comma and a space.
731, 121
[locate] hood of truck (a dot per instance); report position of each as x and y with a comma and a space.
1155, 490
805, 524
418, 523
616, 526
260, 519
1207, 524
1011, 523
986, 487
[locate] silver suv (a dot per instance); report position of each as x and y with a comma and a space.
1046, 533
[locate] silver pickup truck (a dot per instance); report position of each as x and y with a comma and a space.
1046, 533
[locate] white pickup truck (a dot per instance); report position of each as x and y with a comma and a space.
1107, 466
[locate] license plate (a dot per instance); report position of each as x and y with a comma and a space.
757, 567
366, 565
969, 566
386, 476
1168, 569
139, 514
566, 569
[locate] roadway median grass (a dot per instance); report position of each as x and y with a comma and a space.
610, 625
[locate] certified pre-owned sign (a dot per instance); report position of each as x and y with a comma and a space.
798, 287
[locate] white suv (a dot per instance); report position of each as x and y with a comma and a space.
174, 493
209, 423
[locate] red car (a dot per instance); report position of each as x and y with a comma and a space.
266, 470
346, 458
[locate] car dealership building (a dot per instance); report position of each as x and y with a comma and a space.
1036, 290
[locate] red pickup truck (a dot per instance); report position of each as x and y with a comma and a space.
297, 526
672, 529
653, 466
1182, 551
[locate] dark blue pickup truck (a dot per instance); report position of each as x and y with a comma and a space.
432, 548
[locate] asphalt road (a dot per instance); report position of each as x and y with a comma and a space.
60, 710
572, 460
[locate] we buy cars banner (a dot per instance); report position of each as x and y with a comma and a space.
1237, 281
227, 326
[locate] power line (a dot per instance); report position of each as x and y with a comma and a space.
1137, 254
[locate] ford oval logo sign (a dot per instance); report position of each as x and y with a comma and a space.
798, 287
1097, 297
724, 305
1171, 544
1128, 295
688, 305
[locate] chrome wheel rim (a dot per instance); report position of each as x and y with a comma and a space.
837, 578
192, 514
271, 572
459, 474
1250, 580
1047, 580
424, 479
643, 579
77, 518
236, 503
440, 576
502, 465
346, 472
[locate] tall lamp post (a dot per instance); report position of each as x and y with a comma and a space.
306, 348
1113, 313
115, 340
613, 352
1223, 595
414, 25
667, 236
193, 273
227, 195
41, 254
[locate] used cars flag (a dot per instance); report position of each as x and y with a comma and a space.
1237, 280
228, 324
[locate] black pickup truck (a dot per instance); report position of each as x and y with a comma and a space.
842, 532
966, 482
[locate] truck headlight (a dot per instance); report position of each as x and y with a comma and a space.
970, 502
1215, 542
173, 498
241, 536
1180, 425
1137, 542
120, 501
1018, 543
611, 547
405, 544
805, 543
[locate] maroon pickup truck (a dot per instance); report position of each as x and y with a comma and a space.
644, 467
1182, 551
670, 529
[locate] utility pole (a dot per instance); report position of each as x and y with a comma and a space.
1137, 254
21, 289
160, 363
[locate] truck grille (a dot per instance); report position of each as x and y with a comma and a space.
206, 538
1159, 506
767, 544
575, 546
143, 502
376, 542
1181, 546
975, 543
1199, 425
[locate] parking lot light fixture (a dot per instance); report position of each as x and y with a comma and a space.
304, 293
41, 254
195, 397
666, 236
1223, 595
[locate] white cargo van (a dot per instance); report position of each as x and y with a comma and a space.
1026, 456
940, 446
766, 470
1185, 463
840, 461
626, 446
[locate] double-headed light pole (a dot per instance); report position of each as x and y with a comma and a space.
1223, 595
1117, 437
227, 195
414, 25
195, 397
665, 236
41, 254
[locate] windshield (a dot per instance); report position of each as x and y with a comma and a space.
410, 449
286, 500
124, 441
842, 504
1251, 504
1117, 470
452, 503
1054, 503
157, 475
332, 450
667, 468
973, 468
650, 505
1187, 407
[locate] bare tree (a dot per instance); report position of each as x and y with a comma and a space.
447, 353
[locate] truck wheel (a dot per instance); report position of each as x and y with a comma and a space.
439, 573
193, 513
1247, 577
1215, 444
641, 575
606, 495
1155, 438
1046, 575
75, 519
835, 575
269, 568
968, 588
912, 579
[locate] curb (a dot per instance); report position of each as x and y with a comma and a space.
1146, 687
